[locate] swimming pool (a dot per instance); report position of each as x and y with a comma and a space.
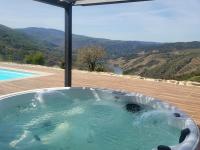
6, 74
92, 119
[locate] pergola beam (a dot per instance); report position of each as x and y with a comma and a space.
58, 3
65, 3
103, 2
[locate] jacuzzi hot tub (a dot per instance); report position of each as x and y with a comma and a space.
92, 119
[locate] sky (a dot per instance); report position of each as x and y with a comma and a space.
158, 20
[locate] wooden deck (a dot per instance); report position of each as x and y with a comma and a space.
186, 98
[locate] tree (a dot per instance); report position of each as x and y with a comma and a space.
62, 64
35, 58
91, 58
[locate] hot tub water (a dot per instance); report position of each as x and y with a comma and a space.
81, 119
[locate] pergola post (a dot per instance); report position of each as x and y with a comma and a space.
68, 45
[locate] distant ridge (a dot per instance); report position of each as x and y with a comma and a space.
115, 48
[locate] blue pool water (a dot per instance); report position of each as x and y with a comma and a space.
11, 75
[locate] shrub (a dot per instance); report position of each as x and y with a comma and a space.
36, 58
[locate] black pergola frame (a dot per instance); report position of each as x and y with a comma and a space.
67, 5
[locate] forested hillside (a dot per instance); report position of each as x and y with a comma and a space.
15, 45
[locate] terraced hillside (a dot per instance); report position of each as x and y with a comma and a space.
179, 65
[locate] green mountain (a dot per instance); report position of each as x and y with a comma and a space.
50, 36
15, 45
180, 61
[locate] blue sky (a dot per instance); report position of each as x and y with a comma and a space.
158, 20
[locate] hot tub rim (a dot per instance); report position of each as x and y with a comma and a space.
181, 146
